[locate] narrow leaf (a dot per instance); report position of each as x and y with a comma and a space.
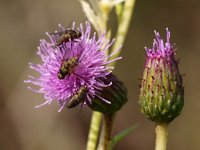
121, 135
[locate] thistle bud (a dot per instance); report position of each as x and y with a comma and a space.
161, 94
110, 98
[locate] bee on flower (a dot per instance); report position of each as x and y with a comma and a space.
61, 76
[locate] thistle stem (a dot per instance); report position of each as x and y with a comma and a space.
94, 131
96, 117
161, 136
123, 26
106, 132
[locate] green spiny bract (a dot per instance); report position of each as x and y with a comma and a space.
162, 93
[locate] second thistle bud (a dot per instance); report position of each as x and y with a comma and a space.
114, 96
162, 93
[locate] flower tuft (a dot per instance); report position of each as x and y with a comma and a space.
72, 61
162, 93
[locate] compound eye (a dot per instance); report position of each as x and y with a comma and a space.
79, 34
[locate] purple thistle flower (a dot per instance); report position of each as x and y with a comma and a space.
160, 49
91, 64
162, 93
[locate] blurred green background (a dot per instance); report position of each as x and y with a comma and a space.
24, 22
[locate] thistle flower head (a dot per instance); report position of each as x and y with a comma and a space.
72, 64
162, 93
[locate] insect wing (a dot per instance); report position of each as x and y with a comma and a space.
74, 101
58, 33
78, 97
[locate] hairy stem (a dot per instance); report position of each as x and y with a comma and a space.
94, 131
161, 136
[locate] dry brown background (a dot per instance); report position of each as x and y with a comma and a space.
24, 22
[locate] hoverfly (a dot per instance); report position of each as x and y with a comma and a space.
66, 36
78, 97
67, 67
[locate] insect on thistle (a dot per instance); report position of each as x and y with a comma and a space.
67, 35
67, 67
78, 97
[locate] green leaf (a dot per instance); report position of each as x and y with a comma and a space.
120, 136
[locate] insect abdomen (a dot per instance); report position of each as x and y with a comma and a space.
77, 98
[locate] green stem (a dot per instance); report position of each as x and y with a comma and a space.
94, 131
161, 136
106, 132
123, 26
120, 37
